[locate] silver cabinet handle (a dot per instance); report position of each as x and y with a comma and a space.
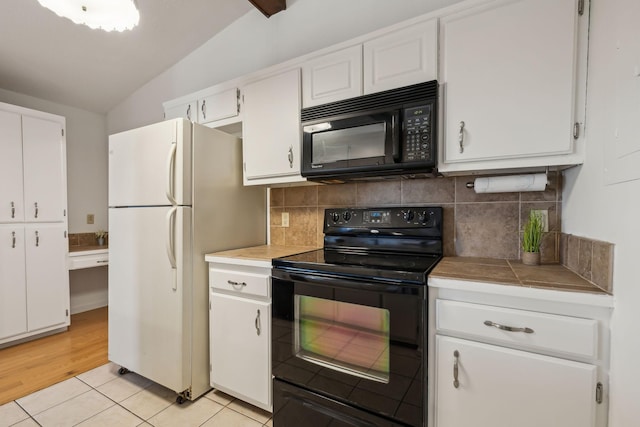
37, 239
461, 137
508, 328
13, 210
456, 355
101, 261
234, 284
258, 323
36, 205
13, 240
204, 110
290, 156
189, 112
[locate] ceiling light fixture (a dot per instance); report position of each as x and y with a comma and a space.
108, 15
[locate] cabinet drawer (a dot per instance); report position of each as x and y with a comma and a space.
240, 283
87, 261
560, 334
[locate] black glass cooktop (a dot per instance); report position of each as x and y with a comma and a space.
370, 265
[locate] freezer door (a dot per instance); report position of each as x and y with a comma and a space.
149, 298
151, 166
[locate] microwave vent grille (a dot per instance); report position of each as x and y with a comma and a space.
382, 100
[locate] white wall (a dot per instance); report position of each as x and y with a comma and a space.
254, 42
611, 212
86, 159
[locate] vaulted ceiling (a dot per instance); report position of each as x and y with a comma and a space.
49, 57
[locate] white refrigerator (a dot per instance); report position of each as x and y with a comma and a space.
175, 194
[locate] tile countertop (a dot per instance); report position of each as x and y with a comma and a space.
87, 249
491, 275
256, 255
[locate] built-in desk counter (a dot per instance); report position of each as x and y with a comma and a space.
87, 257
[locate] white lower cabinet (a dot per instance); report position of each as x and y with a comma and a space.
502, 387
505, 357
240, 347
34, 280
240, 331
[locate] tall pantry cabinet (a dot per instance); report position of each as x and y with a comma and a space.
34, 279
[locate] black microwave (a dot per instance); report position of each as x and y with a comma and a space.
382, 134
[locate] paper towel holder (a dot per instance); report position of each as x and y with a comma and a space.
471, 185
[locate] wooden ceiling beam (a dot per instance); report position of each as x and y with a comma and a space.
269, 7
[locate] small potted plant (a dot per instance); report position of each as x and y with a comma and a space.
100, 236
531, 239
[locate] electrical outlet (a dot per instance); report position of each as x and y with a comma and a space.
285, 219
90, 218
544, 213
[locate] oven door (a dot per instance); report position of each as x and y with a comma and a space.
360, 342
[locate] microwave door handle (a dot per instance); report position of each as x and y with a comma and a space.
396, 135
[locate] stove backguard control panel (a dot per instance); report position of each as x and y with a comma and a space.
341, 219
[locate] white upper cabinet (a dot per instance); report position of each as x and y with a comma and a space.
44, 170
185, 110
401, 58
271, 129
11, 190
509, 76
332, 77
219, 105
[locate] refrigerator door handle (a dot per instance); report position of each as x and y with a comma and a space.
171, 160
170, 243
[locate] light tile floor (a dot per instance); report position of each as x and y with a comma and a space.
102, 397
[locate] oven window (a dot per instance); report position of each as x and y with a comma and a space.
347, 337
359, 142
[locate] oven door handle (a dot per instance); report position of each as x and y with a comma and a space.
327, 411
347, 283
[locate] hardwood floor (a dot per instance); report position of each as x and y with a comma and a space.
34, 365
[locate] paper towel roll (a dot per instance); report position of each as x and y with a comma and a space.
511, 184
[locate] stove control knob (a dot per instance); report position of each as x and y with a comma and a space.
422, 217
408, 215
346, 216
335, 216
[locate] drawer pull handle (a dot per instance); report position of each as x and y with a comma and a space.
257, 323
456, 355
234, 284
102, 261
508, 328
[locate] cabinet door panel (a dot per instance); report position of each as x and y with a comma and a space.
401, 58
332, 77
47, 275
218, 106
271, 126
11, 203
501, 387
182, 111
509, 79
240, 357
44, 170
13, 292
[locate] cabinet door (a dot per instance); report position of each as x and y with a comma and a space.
508, 70
401, 58
271, 127
44, 170
187, 111
240, 347
13, 295
11, 203
332, 77
47, 275
501, 387
218, 106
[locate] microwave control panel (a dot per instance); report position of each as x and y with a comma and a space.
418, 138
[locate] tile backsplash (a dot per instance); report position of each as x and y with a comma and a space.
482, 225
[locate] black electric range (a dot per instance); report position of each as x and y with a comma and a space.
350, 320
